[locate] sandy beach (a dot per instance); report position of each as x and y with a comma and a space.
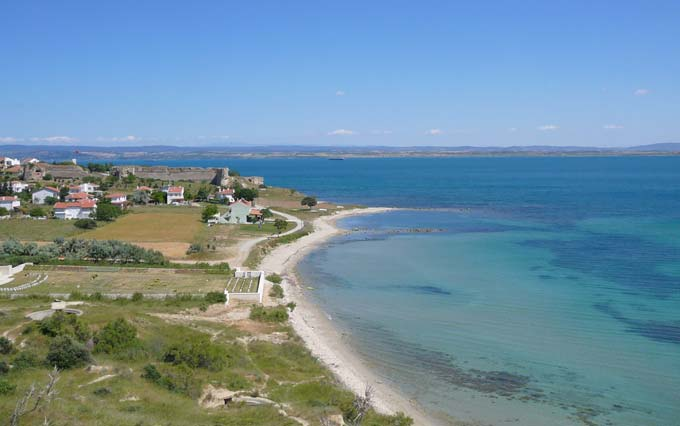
321, 336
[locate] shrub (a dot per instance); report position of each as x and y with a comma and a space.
276, 291
5, 345
62, 324
291, 306
4, 367
6, 387
25, 359
215, 297
37, 212
137, 297
102, 391
274, 278
85, 223
271, 314
116, 337
151, 373
65, 353
196, 352
209, 211
194, 248
3, 211
107, 212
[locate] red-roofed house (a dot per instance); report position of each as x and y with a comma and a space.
78, 196
226, 195
38, 197
145, 188
117, 199
10, 203
78, 210
175, 194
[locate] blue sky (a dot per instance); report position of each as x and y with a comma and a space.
490, 73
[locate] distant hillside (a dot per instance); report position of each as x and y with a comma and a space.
86, 153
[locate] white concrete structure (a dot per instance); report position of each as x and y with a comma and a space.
30, 160
19, 186
257, 296
175, 194
78, 210
39, 196
117, 199
87, 188
10, 203
226, 195
6, 162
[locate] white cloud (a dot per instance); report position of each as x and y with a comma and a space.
340, 93
342, 132
55, 139
381, 132
548, 127
8, 139
434, 132
641, 92
612, 126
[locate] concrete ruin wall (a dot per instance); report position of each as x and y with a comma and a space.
190, 174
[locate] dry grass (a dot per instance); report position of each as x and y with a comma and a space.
153, 224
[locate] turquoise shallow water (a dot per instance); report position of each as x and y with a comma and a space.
549, 295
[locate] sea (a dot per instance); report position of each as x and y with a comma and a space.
506, 290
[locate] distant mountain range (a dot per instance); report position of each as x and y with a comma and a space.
159, 152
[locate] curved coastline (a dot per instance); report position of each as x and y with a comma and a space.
321, 335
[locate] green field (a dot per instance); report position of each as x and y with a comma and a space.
36, 230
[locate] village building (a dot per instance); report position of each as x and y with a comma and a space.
118, 199
78, 210
77, 196
7, 162
19, 186
145, 189
225, 195
9, 203
241, 211
88, 188
175, 194
39, 196
30, 160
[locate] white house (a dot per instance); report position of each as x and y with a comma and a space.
19, 186
30, 160
40, 195
78, 210
6, 162
9, 203
117, 199
88, 188
226, 195
77, 196
175, 194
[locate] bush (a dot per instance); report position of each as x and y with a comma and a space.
274, 278
276, 291
151, 373
196, 352
4, 367
291, 306
137, 297
62, 324
209, 211
215, 297
5, 345
3, 211
107, 212
25, 359
194, 248
37, 212
65, 353
116, 337
85, 223
271, 314
6, 387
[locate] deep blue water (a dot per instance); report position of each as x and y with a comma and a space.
548, 293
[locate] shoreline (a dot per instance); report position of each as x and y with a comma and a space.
321, 336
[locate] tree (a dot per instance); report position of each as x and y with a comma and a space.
246, 193
63, 193
37, 212
3, 211
280, 225
209, 211
36, 400
266, 213
308, 201
159, 197
66, 353
50, 201
85, 224
202, 194
107, 212
140, 197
